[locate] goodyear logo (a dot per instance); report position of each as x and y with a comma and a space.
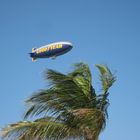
46, 49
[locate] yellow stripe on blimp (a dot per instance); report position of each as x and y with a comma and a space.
52, 47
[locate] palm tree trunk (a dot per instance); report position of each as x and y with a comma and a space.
91, 136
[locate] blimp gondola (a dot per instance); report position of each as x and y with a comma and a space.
51, 50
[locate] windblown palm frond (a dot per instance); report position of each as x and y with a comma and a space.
42, 129
82, 76
106, 77
73, 107
65, 93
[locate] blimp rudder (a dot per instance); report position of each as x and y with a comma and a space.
33, 50
33, 59
32, 55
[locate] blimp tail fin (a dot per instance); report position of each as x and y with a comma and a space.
33, 50
33, 59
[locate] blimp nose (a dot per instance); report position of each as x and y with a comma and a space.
70, 47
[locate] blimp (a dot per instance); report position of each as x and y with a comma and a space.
51, 50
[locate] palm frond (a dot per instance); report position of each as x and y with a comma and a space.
82, 69
82, 76
67, 96
66, 92
69, 107
93, 119
40, 128
106, 77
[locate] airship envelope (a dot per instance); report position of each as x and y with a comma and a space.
51, 50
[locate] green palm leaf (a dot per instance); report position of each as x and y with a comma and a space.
64, 94
106, 77
82, 76
68, 108
42, 129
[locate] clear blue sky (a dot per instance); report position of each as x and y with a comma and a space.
102, 31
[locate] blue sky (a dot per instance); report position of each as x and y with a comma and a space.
102, 31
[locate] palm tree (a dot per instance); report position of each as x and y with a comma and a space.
68, 109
